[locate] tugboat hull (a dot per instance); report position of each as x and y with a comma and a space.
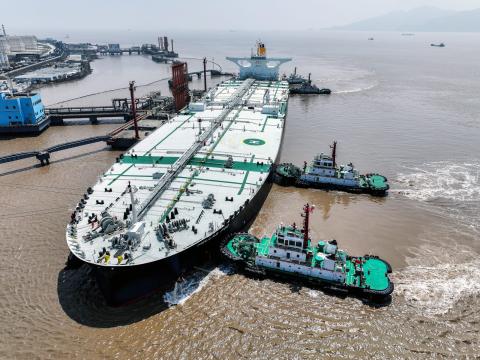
350, 189
258, 272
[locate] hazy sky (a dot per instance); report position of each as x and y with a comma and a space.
143, 15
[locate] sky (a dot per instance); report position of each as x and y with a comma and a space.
31, 16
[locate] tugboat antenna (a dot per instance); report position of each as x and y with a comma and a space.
334, 153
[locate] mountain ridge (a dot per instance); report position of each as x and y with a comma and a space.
420, 19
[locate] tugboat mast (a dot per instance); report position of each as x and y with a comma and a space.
334, 153
307, 209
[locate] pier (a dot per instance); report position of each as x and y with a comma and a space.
119, 139
121, 108
58, 115
44, 155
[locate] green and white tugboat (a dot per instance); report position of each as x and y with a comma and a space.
324, 172
290, 253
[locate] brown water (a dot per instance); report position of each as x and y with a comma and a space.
400, 108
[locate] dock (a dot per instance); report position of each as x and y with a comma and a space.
121, 138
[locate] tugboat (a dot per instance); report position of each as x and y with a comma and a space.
308, 88
294, 79
289, 253
323, 172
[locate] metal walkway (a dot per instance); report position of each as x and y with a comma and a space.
44, 155
180, 164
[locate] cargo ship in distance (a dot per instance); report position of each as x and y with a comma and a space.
165, 204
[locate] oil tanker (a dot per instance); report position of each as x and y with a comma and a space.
165, 205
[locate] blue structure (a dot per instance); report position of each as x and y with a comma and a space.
20, 109
258, 66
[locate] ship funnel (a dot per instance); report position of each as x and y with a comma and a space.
261, 49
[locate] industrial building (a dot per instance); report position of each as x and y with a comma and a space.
12, 46
4, 50
21, 109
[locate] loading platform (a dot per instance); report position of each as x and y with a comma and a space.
119, 139
58, 115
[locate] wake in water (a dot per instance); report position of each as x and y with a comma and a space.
443, 180
435, 290
355, 90
453, 188
192, 284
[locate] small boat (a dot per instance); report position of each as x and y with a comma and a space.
438, 45
290, 253
323, 172
309, 88
371, 39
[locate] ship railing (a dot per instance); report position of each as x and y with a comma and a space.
291, 260
180, 164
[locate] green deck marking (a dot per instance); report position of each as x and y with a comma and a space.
219, 181
254, 142
170, 133
111, 182
375, 272
276, 90
150, 160
212, 163
245, 178
350, 274
283, 108
378, 182
265, 124
231, 249
121, 174
264, 245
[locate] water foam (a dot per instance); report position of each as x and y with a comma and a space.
435, 290
442, 180
452, 188
192, 284
355, 90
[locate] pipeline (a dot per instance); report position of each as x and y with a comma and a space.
44, 155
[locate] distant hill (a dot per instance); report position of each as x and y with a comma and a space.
421, 19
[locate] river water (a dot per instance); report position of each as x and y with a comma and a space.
399, 107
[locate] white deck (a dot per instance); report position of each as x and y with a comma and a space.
171, 141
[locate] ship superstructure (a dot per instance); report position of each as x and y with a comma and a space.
203, 174
258, 66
